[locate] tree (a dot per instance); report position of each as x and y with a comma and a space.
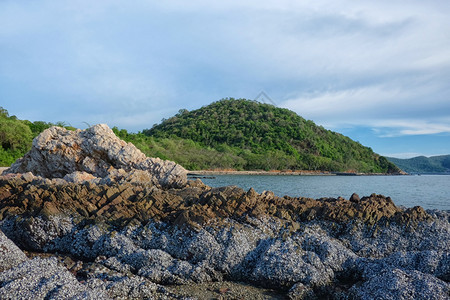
14, 134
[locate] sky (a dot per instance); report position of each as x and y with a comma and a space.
376, 71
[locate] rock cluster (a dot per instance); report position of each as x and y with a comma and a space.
194, 206
95, 153
141, 236
110, 224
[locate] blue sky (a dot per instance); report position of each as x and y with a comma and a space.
377, 71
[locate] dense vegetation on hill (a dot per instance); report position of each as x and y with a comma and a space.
261, 136
228, 134
422, 164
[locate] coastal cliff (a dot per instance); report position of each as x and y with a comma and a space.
112, 226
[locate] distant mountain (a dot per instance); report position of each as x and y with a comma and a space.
422, 164
263, 136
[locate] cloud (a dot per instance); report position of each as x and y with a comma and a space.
392, 109
383, 64
392, 128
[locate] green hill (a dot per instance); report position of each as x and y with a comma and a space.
422, 164
261, 136
228, 134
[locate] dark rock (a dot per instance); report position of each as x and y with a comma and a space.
354, 198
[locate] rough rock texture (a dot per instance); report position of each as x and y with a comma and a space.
130, 239
194, 205
43, 279
392, 284
10, 254
311, 261
58, 153
100, 220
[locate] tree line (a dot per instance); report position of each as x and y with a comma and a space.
227, 134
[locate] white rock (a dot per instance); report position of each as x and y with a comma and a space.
58, 152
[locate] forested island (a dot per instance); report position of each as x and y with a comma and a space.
439, 164
236, 134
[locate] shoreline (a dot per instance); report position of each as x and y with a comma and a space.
271, 172
282, 173
233, 172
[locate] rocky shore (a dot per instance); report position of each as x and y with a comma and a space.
86, 216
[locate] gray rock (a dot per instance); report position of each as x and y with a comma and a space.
10, 254
87, 243
300, 291
331, 251
381, 241
119, 285
239, 249
308, 261
34, 233
114, 264
125, 287
429, 262
58, 153
43, 279
203, 247
398, 284
160, 267
285, 263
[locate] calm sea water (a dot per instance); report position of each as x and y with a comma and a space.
428, 191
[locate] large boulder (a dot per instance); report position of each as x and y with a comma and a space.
58, 152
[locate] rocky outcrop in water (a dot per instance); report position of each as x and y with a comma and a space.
93, 153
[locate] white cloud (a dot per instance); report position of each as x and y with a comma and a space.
339, 63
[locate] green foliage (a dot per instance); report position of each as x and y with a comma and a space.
267, 137
16, 136
422, 164
228, 134
187, 153
37, 126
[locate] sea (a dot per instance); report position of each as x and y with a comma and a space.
428, 191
